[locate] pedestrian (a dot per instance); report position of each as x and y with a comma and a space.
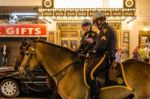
4, 53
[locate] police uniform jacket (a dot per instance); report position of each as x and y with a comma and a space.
106, 40
85, 45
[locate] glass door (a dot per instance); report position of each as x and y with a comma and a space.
69, 39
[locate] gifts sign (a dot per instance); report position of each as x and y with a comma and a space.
23, 30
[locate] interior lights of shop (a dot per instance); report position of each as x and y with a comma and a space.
27, 13
91, 4
145, 28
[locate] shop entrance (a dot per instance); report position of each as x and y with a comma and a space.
143, 37
13, 44
69, 35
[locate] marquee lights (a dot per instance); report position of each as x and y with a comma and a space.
75, 21
87, 12
88, 9
74, 14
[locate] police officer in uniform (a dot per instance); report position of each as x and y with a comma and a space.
4, 52
106, 42
88, 38
104, 51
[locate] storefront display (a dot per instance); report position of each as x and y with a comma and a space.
144, 35
125, 45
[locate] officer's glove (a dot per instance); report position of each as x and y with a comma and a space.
87, 55
90, 40
91, 54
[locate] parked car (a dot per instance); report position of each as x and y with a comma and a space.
12, 83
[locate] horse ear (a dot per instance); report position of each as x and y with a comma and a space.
34, 44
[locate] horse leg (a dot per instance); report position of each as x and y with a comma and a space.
131, 96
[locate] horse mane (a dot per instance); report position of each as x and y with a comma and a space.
58, 46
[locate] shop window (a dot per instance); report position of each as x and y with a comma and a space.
125, 45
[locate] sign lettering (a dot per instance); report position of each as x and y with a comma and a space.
25, 30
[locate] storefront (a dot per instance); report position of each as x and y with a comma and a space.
13, 35
68, 17
63, 20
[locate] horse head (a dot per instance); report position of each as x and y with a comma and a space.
29, 61
33, 61
54, 58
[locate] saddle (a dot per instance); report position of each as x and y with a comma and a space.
115, 76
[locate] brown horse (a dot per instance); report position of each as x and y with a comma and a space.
59, 63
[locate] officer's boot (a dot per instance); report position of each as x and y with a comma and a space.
94, 89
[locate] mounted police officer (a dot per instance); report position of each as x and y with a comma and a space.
88, 39
104, 51
106, 38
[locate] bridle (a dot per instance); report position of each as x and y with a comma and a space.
62, 72
32, 52
27, 63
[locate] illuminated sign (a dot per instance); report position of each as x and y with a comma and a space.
87, 12
59, 13
71, 13
116, 13
48, 4
88, 3
82, 13
129, 13
23, 30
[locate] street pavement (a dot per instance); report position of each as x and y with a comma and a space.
42, 95
35, 95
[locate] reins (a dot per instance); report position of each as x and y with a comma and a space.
63, 69
30, 55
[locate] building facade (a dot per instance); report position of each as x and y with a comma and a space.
63, 19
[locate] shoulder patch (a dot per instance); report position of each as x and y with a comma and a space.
103, 38
104, 30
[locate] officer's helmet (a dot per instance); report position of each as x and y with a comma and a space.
86, 22
99, 15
